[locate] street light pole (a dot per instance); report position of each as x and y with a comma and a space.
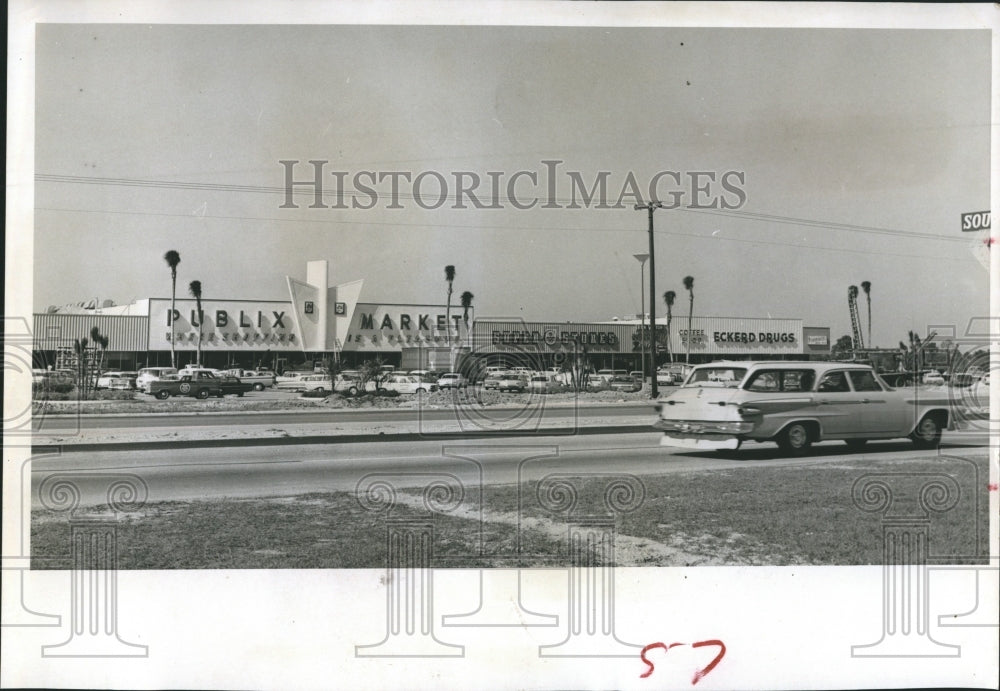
642, 290
652, 206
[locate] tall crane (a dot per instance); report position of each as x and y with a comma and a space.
852, 305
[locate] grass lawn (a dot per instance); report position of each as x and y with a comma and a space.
751, 515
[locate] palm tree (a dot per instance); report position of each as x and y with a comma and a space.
98, 339
466, 299
80, 348
669, 297
449, 276
195, 288
689, 287
172, 258
867, 287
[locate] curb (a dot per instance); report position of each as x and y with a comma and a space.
337, 439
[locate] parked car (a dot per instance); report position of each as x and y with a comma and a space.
289, 379
313, 382
407, 384
605, 375
259, 380
624, 383
723, 404
512, 381
199, 385
116, 379
149, 374
933, 377
452, 380
666, 378
542, 383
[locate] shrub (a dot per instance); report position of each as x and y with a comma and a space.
51, 387
315, 394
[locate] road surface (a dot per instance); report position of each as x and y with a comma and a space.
283, 470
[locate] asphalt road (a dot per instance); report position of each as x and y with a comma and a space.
189, 474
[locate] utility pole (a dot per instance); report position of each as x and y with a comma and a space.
652, 206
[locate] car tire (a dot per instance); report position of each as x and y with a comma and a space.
202, 394
258, 387
163, 395
927, 435
240, 394
856, 444
353, 391
421, 391
321, 389
795, 439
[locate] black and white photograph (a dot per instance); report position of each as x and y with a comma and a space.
533, 345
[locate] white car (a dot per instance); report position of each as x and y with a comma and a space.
150, 374
452, 380
933, 377
314, 382
407, 384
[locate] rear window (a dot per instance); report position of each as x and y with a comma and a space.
781, 380
727, 377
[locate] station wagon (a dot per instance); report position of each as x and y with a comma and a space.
723, 404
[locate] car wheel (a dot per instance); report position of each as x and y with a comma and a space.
258, 387
163, 395
353, 391
220, 394
856, 444
419, 391
202, 394
240, 394
927, 435
795, 439
321, 389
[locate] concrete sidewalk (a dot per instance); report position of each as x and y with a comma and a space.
339, 431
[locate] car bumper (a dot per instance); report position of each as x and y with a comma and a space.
700, 442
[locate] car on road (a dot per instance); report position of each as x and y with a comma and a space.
149, 374
452, 380
723, 404
406, 384
542, 383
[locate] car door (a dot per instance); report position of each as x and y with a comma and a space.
838, 406
883, 414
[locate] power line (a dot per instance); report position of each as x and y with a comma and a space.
354, 194
265, 219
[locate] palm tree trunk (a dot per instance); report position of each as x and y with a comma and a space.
687, 354
670, 344
869, 299
173, 311
448, 316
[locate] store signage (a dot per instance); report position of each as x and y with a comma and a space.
818, 340
223, 325
748, 337
393, 327
976, 220
552, 337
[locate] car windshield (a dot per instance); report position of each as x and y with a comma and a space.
719, 377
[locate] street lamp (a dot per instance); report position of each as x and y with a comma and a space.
641, 258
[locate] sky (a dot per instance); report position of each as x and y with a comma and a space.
857, 150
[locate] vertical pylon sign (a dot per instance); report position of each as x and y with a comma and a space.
905, 501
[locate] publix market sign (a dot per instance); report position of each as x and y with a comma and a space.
224, 325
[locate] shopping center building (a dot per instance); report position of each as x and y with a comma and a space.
319, 321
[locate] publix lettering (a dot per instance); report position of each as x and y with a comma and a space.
222, 319
752, 337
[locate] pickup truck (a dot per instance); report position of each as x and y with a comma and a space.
199, 385
258, 380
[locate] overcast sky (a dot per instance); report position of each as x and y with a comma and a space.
883, 131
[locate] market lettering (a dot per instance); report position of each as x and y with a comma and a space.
367, 321
386, 322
